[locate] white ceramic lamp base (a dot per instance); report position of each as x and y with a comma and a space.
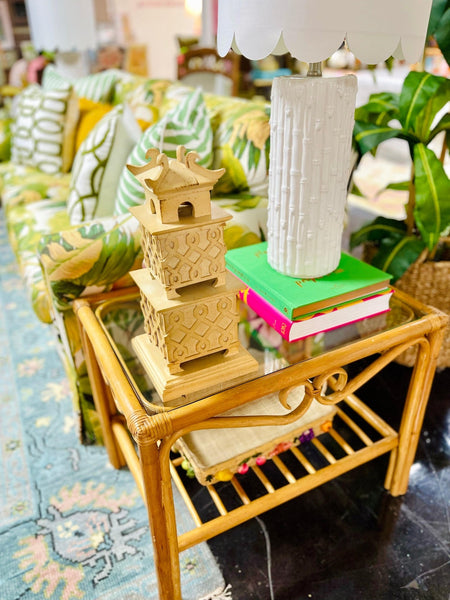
310, 159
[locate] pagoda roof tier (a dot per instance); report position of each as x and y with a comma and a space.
165, 176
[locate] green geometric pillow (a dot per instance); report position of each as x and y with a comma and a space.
187, 125
98, 87
44, 129
99, 163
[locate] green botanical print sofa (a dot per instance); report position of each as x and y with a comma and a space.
61, 259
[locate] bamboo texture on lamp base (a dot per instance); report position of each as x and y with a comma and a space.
310, 158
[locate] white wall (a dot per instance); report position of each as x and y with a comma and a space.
155, 23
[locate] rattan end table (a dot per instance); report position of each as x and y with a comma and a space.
139, 431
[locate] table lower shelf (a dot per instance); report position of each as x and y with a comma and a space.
358, 436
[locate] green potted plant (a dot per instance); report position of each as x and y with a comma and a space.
439, 26
418, 247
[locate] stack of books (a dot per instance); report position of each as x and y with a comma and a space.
298, 308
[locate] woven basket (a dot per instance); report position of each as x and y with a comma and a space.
429, 282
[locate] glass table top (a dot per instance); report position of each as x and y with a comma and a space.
122, 320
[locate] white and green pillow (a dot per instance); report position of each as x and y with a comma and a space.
53, 80
187, 125
44, 129
99, 163
98, 87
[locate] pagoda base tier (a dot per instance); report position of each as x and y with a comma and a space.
199, 378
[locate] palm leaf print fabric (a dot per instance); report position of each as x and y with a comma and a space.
186, 125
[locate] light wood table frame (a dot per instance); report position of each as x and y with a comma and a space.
155, 430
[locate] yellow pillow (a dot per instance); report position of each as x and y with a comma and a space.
90, 114
143, 124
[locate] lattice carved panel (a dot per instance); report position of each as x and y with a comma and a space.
193, 331
186, 257
154, 326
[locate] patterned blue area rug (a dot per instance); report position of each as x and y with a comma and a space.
70, 525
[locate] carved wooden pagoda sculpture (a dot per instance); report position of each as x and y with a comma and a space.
188, 298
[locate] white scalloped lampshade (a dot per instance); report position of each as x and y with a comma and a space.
63, 25
312, 118
312, 30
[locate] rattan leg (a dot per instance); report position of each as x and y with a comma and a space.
103, 403
414, 412
161, 514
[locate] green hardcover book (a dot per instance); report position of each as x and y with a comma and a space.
352, 279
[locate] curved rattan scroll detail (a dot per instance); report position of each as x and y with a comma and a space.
321, 380
368, 373
313, 391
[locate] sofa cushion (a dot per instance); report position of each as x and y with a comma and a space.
188, 125
5, 136
90, 258
125, 86
175, 94
44, 129
249, 219
27, 223
11, 171
99, 163
241, 144
98, 87
144, 96
25, 185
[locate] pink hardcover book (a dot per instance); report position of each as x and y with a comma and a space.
333, 317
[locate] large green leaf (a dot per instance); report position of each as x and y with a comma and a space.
418, 89
443, 125
377, 230
368, 135
427, 115
355, 191
395, 256
437, 11
87, 256
380, 109
432, 208
116, 258
399, 186
442, 34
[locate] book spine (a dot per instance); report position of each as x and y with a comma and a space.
266, 311
268, 294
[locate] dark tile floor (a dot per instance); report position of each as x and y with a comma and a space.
349, 539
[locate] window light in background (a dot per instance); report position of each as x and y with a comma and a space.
204, 11
67, 27
194, 9
312, 117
